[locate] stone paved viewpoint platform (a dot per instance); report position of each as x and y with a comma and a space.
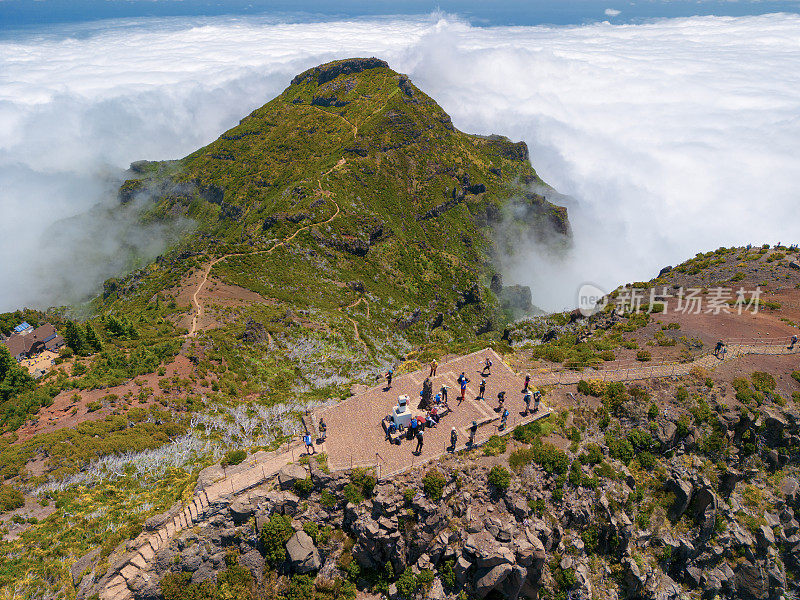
356, 437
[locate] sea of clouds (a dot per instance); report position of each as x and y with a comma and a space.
672, 137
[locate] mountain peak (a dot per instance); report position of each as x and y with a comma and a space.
331, 70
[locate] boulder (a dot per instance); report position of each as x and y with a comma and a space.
190, 559
303, 554
145, 587
289, 474
683, 495
461, 569
752, 581
486, 551
241, 510
789, 489
795, 265
254, 562
491, 579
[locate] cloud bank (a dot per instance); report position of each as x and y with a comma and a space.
673, 137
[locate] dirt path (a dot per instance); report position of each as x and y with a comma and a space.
355, 325
708, 362
197, 305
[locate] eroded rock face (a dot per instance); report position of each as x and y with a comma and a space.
330, 71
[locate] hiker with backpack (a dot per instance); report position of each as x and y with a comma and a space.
537, 396
463, 380
453, 439
501, 399
434, 366
487, 367
527, 399
527, 382
482, 389
503, 420
389, 374
418, 450
472, 431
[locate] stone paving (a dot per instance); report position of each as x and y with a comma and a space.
356, 437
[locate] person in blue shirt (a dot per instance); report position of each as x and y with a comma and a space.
309, 444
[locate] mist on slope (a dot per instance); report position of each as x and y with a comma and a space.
672, 137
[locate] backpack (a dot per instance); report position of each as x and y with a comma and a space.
419, 436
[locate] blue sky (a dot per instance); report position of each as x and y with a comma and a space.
32, 13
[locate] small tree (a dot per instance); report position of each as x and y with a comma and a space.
433, 484
92, 340
75, 338
13, 378
274, 535
499, 478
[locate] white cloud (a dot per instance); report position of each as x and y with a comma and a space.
675, 136
611, 12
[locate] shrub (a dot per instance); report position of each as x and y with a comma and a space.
575, 473
796, 376
593, 455
591, 537
763, 382
364, 480
640, 439
274, 535
605, 470
327, 499
647, 460
448, 574
433, 484
614, 397
233, 457
495, 446
528, 433
10, 498
303, 487
312, 529
682, 395
301, 587
353, 494
619, 447
545, 454
407, 584
499, 478
591, 388
643, 355
408, 494
652, 412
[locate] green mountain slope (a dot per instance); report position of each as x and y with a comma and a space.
354, 206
